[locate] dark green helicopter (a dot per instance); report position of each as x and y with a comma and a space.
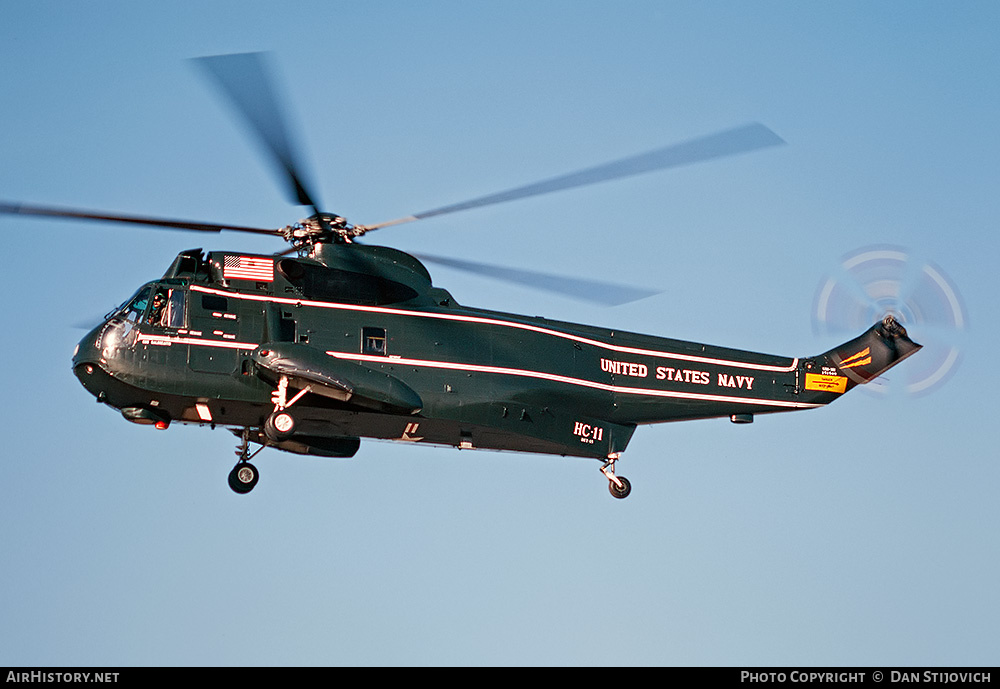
311, 349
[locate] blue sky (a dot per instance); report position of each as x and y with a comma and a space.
860, 534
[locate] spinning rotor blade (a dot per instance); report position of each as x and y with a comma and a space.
605, 293
726, 143
244, 78
878, 280
76, 214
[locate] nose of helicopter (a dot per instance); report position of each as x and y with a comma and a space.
88, 363
88, 349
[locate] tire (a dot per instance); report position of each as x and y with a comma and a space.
243, 478
279, 426
620, 493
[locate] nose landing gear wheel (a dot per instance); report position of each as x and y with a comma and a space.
243, 477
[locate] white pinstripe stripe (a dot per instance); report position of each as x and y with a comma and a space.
202, 342
477, 368
510, 324
500, 370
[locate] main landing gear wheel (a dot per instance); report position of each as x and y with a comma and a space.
279, 426
243, 477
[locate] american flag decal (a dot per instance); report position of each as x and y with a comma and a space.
248, 268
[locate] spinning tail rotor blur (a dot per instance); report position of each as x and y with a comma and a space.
876, 281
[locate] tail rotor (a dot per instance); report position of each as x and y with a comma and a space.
876, 281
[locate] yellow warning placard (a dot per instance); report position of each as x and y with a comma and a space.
826, 383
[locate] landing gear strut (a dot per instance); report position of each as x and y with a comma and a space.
280, 425
618, 485
244, 475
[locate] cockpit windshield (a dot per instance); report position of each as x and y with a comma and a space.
156, 305
133, 309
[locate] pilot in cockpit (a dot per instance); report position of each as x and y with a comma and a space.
156, 310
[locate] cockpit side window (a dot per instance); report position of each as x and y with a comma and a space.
166, 309
157, 308
174, 316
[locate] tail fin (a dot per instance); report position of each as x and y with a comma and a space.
860, 360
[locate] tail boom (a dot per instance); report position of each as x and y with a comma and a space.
860, 360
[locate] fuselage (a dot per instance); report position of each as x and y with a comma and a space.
484, 379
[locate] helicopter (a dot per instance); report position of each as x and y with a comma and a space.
331, 340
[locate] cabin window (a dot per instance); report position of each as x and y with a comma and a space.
286, 328
212, 302
373, 341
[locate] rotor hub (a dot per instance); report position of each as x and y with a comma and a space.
320, 228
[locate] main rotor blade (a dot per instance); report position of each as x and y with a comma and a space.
244, 78
76, 214
743, 139
605, 293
